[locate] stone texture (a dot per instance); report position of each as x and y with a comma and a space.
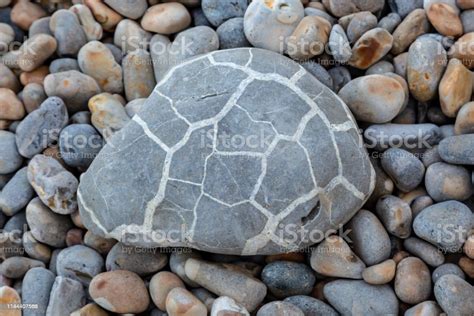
217, 12
161, 284
79, 263
370, 48
9, 296
36, 288
311, 306
231, 34
309, 38
16, 194
395, 215
405, 169
424, 308
108, 114
461, 50
458, 149
10, 159
425, 251
279, 308
445, 269
182, 302
129, 9
226, 306
68, 32
445, 19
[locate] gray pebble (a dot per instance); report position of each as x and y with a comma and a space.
424, 308
412, 281
205, 296
10, 159
142, 261
54, 260
445, 225
46, 226
36, 289
319, 72
448, 182
431, 156
79, 263
340, 77
81, 117
40, 26
339, 44
420, 203
4, 178
55, 186
16, 267
16, 224
134, 106
231, 34
458, 149
390, 22
426, 251
32, 96
68, 32
447, 268
311, 306
454, 295
360, 23
130, 9
467, 18
308, 11
67, 295
400, 63
380, 68
41, 128
199, 18
79, 144
279, 308
63, 64
364, 226
396, 216
34, 249
405, 169
116, 52
16, 194
403, 7
11, 244
447, 131
285, 278
358, 297
218, 11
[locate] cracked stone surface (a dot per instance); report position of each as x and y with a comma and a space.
233, 153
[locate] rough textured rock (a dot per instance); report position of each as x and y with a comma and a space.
184, 193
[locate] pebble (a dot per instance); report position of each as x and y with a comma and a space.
32, 96
405, 169
90, 309
205, 296
161, 284
345, 7
311, 306
40, 26
278, 308
224, 281
79, 263
9, 296
311, 11
119, 291
36, 289
424, 308
100, 244
141, 261
454, 295
181, 302
465, 4
370, 48
25, 12
16, 267
467, 18
333, 257
380, 68
79, 144
358, 297
267, 24
413, 25
55, 186
469, 247
360, 23
68, 32
448, 182
35, 249
46, 226
412, 281
319, 72
226, 306
166, 18
103, 14
364, 225
108, 114
90, 26
129, 36
63, 64
425, 251
177, 263
286, 278
460, 50
231, 34
309, 38
35, 76
396, 215
7, 35
199, 18
390, 22
35, 51
8, 79
467, 265
381, 101
130, 9
74, 237
16, 194
436, 224
97, 61
464, 123
445, 19
82, 117
72, 86
217, 12
11, 108
457, 149
455, 88
67, 295
445, 269
381, 273
339, 44
403, 8
138, 75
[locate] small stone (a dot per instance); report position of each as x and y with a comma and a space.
138, 76
79, 144
107, 17
74, 87
32, 96
82, 117
464, 119
55, 186
319, 72
129, 36
16, 194
119, 291
469, 247
16, 267
467, 18
130, 9
321, 12
420, 203
380, 68
46, 226
74, 237
364, 226
311, 306
10, 297
79, 263
108, 114
166, 18
435, 224
286, 278
90, 26
36, 289
8, 79
467, 265
414, 25
177, 263
268, 24
454, 295
24, 13
381, 101
11, 108
97, 61
309, 38
227, 306
225, 281
405, 169
161, 284
35, 51
90, 309
341, 8
458, 149
217, 12
100, 244
279, 308
412, 281
206, 297
181, 302
448, 182
141, 261
360, 23
461, 51
134, 106
445, 19
381, 273
396, 215
66, 296
339, 44
390, 22
370, 48
63, 64
424, 308
425, 251
35, 249
447, 268
333, 257
68, 32
403, 8
199, 18
36, 76
231, 34
358, 297
7, 35
40, 26
455, 88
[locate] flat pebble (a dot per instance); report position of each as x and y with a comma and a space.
79, 263
454, 295
231, 34
380, 68
412, 281
339, 44
166, 18
381, 273
459, 50
467, 18
425, 251
66, 296
285, 278
469, 247
16, 194
82, 117
311, 306
16, 267
390, 22
217, 12
177, 263
142, 261
8, 79
405, 169
36, 288
396, 215
206, 297
360, 23
91, 309
226, 306
108, 114
341, 8
129, 9
40, 26
458, 149
464, 119
138, 75
100, 244
35, 51
414, 25
437, 223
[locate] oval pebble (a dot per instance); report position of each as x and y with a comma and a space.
16, 194
79, 263
396, 215
166, 18
67, 295
412, 281
311, 306
36, 288
448, 182
141, 261
285, 278
370, 48
279, 308
217, 12
447, 268
129, 9
454, 295
425, 251
455, 88
381, 273
405, 169
231, 34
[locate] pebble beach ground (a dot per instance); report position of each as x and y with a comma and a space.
122, 121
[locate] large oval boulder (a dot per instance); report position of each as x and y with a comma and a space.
232, 151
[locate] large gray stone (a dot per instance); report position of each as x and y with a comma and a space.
218, 160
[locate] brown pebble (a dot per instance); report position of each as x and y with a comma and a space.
24, 13
467, 265
381, 273
8, 79
74, 237
11, 108
107, 17
412, 281
181, 302
455, 88
400, 255
469, 247
166, 18
90, 310
8, 296
465, 119
445, 19
415, 24
161, 284
35, 51
370, 48
309, 38
463, 51
36, 76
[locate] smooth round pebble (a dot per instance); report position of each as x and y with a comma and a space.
231, 34
454, 295
166, 18
405, 169
396, 215
412, 281
381, 273
218, 11
79, 263
425, 251
79, 144
141, 261
447, 268
285, 278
